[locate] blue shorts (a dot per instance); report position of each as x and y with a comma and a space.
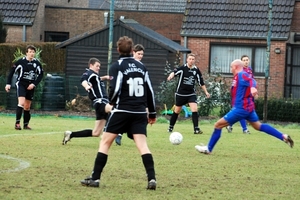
237, 114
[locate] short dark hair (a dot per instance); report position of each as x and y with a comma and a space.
244, 56
30, 47
138, 47
93, 61
191, 54
124, 45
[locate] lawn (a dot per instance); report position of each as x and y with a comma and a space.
34, 164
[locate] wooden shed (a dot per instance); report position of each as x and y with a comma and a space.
158, 51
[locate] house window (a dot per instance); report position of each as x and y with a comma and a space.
56, 36
221, 56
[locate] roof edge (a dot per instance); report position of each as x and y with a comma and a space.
17, 23
232, 37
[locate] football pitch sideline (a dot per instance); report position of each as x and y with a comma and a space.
35, 165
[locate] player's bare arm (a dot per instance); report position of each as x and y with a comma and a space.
171, 76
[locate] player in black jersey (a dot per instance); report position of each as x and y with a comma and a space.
138, 54
130, 93
29, 74
188, 74
95, 87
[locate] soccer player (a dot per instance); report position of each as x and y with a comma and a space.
95, 87
188, 74
130, 92
138, 54
243, 90
246, 60
30, 74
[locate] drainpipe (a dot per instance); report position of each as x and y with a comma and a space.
185, 45
105, 18
110, 42
24, 33
267, 68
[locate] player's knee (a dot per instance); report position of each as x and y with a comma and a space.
27, 108
96, 133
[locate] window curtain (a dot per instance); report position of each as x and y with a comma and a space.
222, 56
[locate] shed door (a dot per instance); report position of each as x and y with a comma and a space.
292, 72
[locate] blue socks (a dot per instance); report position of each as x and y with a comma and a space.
243, 123
214, 139
271, 131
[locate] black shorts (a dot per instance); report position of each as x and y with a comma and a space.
23, 92
183, 100
130, 123
100, 111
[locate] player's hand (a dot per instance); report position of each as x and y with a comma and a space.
171, 76
88, 87
30, 86
151, 120
106, 77
254, 91
108, 108
7, 88
207, 95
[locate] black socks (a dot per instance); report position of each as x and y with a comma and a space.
19, 113
83, 133
149, 166
100, 163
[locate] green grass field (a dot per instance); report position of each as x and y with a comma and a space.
34, 164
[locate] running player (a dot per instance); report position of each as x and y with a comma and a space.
242, 92
95, 87
246, 60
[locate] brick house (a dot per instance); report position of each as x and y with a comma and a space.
208, 28
23, 20
219, 33
58, 20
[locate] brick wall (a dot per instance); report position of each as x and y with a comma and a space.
78, 21
166, 24
39, 24
201, 47
295, 27
74, 21
15, 33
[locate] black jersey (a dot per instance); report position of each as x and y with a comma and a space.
98, 87
187, 80
28, 71
130, 87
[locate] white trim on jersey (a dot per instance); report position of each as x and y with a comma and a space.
119, 82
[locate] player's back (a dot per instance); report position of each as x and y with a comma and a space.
129, 85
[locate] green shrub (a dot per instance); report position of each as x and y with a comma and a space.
54, 58
283, 110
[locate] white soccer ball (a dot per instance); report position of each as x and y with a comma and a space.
176, 138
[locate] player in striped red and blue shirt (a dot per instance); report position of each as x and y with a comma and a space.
246, 61
243, 91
